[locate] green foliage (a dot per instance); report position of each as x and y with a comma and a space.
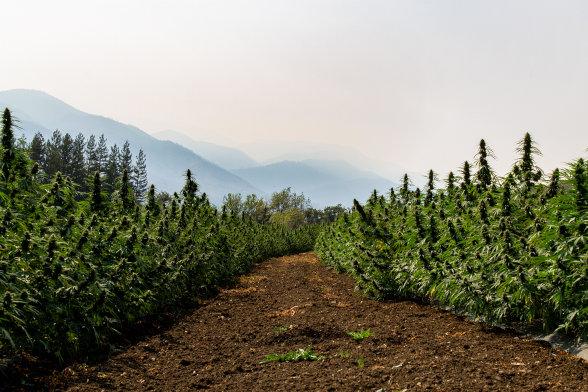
75, 269
294, 356
361, 334
507, 250
285, 208
291, 218
233, 203
277, 330
286, 199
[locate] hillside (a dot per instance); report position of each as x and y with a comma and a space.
226, 157
166, 161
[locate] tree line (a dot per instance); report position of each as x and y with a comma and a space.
79, 159
285, 207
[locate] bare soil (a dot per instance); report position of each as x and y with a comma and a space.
219, 345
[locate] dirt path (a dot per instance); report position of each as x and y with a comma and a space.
220, 345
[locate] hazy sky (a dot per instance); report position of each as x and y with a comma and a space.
415, 83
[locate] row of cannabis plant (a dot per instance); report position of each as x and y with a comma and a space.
73, 273
510, 249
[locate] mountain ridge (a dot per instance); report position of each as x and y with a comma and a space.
226, 157
167, 162
325, 178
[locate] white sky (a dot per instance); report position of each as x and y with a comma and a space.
413, 83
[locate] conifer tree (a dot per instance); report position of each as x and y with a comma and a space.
140, 177
126, 157
66, 152
78, 171
92, 155
53, 161
112, 168
37, 149
102, 155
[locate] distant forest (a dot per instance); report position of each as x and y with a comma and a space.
80, 159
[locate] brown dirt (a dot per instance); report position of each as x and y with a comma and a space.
219, 346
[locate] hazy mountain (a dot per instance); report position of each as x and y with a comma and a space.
166, 161
325, 182
272, 151
341, 169
226, 157
280, 175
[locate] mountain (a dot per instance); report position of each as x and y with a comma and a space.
272, 151
226, 157
341, 169
325, 182
167, 162
280, 175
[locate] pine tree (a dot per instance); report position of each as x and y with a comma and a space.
126, 158
53, 161
112, 168
139, 178
92, 155
66, 152
102, 155
37, 149
78, 162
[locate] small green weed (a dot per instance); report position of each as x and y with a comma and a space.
346, 355
277, 330
360, 362
361, 334
294, 356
